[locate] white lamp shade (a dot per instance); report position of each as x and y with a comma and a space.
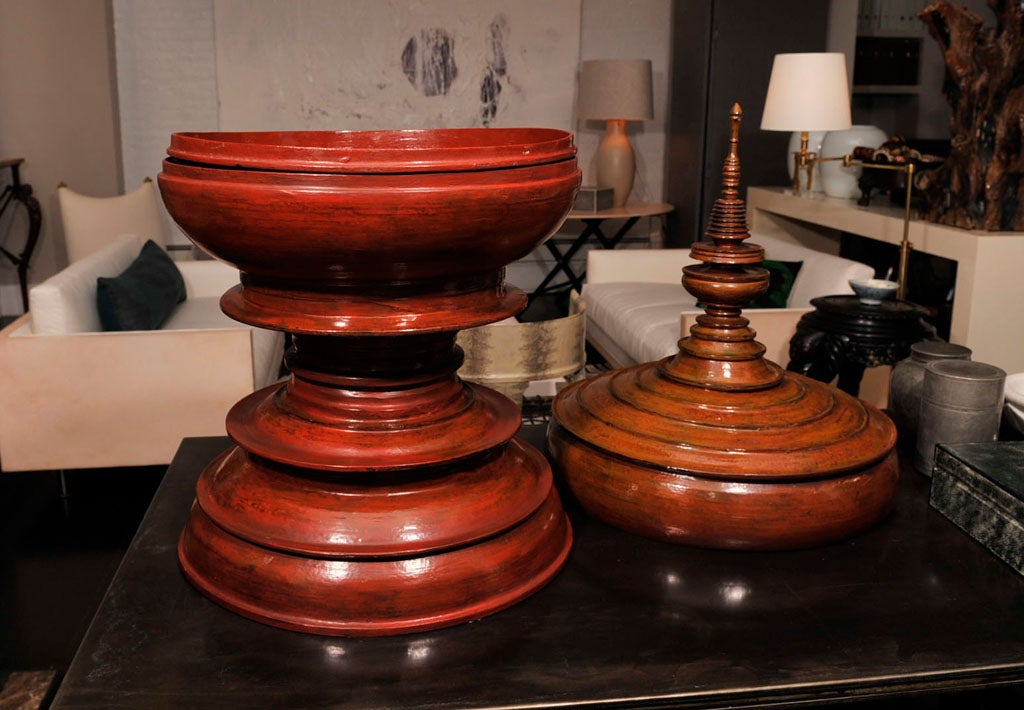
616, 89
807, 92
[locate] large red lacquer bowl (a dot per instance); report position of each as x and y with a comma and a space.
371, 209
375, 492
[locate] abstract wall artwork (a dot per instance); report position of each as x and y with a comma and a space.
373, 64
205, 65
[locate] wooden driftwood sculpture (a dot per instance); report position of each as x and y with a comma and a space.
980, 185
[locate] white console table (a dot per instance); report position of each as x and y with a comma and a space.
988, 305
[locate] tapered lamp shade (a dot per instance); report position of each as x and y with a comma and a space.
807, 92
616, 91
616, 88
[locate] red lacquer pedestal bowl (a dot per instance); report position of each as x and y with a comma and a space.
375, 492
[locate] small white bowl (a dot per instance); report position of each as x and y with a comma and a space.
874, 291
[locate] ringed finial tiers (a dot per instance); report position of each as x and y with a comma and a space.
721, 352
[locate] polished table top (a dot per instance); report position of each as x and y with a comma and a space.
912, 604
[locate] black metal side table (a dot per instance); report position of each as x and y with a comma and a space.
843, 336
592, 230
21, 192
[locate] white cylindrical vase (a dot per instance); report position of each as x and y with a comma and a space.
840, 181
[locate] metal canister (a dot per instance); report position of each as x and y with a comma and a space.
961, 402
905, 385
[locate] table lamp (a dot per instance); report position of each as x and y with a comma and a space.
616, 91
807, 92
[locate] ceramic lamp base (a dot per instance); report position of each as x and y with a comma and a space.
616, 162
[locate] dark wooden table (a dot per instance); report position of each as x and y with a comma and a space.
843, 337
912, 605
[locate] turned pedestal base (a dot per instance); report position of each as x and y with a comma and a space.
376, 577
374, 493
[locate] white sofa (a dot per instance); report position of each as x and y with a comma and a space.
637, 308
72, 396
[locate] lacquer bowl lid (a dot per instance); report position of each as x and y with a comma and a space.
400, 151
370, 207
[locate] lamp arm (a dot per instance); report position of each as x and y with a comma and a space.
804, 159
800, 159
905, 245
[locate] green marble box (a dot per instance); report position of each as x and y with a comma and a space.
980, 487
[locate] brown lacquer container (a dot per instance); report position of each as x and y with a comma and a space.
717, 446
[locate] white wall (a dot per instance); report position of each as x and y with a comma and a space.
170, 57
57, 111
377, 64
181, 66
166, 77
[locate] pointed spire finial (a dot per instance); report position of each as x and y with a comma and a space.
731, 169
721, 352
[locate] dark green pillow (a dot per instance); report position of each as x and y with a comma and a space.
781, 276
142, 296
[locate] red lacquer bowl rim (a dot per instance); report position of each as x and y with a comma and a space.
391, 151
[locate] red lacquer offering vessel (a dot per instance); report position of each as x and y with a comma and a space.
375, 492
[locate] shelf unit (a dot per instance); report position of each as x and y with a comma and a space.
988, 305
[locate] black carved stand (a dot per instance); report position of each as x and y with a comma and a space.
843, 336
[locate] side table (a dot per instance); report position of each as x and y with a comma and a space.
21, 192
592, 229
843, 336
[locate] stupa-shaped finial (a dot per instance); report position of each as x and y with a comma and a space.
721, 352
731, 169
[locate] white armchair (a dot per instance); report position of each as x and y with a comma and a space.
91, 223
72, 396
637, 308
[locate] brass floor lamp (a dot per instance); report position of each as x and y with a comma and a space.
905, 245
